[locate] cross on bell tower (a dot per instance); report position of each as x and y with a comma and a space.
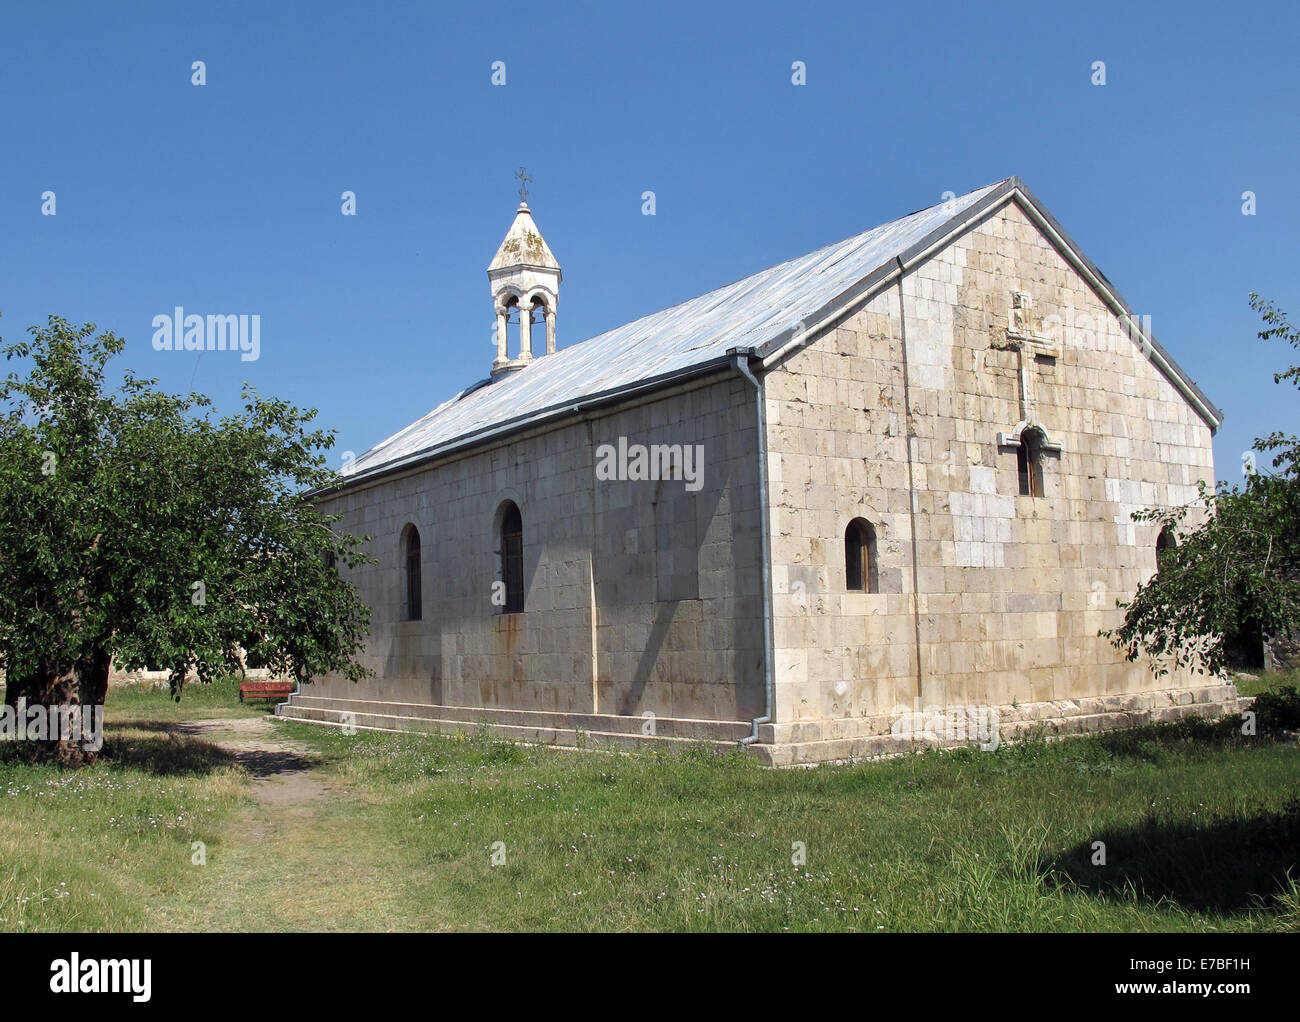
524, 182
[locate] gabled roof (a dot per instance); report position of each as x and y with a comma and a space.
763, 316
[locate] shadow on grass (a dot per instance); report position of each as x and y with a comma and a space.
1229, 866
166, 727
263, 763
164, 750
1153, 741
181, 748
164, 755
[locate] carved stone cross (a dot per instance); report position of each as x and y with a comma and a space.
1027, 342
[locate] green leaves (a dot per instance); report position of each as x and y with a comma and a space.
158, 531
1278, 326
1237, 563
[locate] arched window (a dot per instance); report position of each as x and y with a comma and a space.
513, 314
537, 324
1029, 463
512, 558
1165, 541
861, 572
412, 603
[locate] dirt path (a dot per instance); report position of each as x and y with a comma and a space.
305, 856
281, 768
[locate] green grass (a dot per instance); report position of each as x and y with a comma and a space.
93, 849
219, 698
1259, 683
1201, 827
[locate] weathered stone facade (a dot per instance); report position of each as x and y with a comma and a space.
591, 553
904, 409
1013, 589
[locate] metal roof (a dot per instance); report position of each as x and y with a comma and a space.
760, 313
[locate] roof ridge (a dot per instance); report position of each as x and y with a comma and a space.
699, 335
547, 377
777, 266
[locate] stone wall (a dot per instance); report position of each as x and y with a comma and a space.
594, 554
1012, 589
645, 596
1282, 652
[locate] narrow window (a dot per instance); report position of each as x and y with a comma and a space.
1029, 464
512, 558
414, 590
860, 569
513, 313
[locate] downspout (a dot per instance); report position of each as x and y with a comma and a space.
740, 359
911, 478
591, 574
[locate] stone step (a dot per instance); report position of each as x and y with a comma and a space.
664, 727
843, 750
526, 734
874, 747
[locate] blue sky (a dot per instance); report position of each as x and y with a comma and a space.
226, 198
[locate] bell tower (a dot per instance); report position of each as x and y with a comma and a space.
525, 282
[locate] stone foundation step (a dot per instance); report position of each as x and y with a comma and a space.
885, 746
664, 727
786, 745
534, 734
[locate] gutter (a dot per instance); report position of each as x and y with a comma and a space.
740, 359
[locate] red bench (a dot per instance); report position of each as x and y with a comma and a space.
264, 689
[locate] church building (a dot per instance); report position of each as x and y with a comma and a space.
875, 496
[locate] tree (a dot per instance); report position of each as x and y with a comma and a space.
1237, 562
137, 526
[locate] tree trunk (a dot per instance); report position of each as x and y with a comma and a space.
63, 730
